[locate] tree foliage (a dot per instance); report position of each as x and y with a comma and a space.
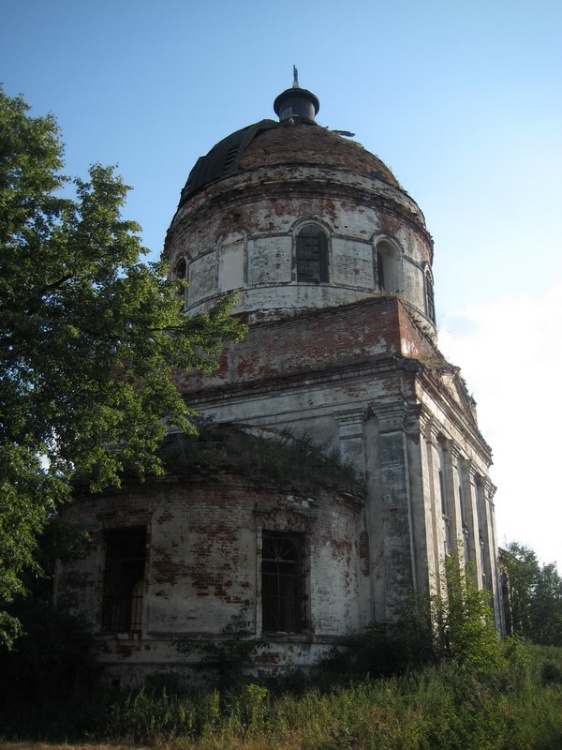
89, 337
466, 631
533, 601
455, 624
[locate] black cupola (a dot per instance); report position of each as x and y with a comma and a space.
296, 102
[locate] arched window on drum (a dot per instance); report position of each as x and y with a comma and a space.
312, 255
429, 296
180, 273
387, 259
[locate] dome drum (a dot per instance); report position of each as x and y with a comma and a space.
243, 234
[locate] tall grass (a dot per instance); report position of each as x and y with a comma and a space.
461, 689
516, 705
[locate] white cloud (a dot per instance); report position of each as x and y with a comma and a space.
510, 352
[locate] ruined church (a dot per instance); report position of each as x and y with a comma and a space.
339, 460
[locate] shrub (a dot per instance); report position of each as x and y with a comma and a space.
466, 632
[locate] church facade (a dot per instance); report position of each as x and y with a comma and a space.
331, 262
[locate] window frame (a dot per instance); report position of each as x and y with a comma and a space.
312, 240
283, 584
181, 270
387, 264
123, 579
429, 296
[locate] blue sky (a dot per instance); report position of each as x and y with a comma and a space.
461, 99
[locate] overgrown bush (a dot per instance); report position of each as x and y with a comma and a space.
223, 659
465, 628
403, 690
439, 706
457, 625
513, 706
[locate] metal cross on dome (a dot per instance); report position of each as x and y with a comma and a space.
295, 77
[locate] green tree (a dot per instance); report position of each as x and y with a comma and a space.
90, 337
466, 632
533, 601
547, 607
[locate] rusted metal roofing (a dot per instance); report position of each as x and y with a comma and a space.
266, 143
223, 159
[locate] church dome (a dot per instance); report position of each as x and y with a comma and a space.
295, 216
269, 143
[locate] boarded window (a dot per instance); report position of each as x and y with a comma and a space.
312, 255
282, 583
230, 160
124, 580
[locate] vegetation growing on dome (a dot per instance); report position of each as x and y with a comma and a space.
282, 457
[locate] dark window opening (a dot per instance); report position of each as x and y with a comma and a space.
180, 274
429, 298
124, 580
181, 269
282, 583
442, 493
462, 506
380, 271
312, 255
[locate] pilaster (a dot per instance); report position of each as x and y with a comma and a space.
486, 491
453, 510
433, 506
471, 524
351, 436
394, 513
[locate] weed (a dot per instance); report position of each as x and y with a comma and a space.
227, 655
281, 456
